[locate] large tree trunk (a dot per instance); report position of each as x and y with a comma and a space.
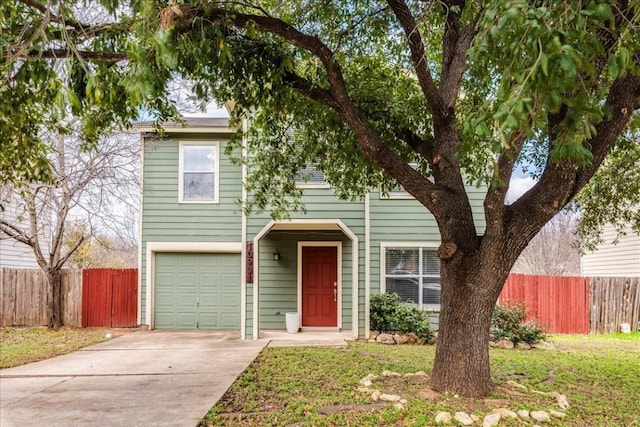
55, 302
462, 352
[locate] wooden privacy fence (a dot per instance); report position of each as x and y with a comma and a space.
24, 294
614, 300
577, 305
109, 297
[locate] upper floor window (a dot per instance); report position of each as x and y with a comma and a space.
199, 162
413, 273
311, 177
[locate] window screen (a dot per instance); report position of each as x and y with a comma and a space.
414, 274
199, 172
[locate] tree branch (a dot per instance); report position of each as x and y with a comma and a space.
15, 232
623, 100
311, 91
456, 44
67, 53
420, 64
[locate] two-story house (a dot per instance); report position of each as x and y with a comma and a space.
207, 265
614, 256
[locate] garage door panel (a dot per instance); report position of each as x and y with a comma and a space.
229, 300
197, 291
228, 321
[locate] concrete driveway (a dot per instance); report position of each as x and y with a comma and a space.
138, 379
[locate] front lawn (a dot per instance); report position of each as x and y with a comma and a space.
25, 345
599, 375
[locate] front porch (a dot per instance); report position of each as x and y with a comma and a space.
310, 268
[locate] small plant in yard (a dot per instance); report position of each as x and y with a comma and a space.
388, 314
508, 321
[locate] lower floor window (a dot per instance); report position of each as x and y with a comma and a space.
414, 274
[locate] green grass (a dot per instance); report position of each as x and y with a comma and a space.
600, 375
25, 345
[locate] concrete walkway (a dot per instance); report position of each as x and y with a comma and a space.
139, 379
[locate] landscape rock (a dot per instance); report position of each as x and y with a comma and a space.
506, 413
562, 400
505, 343
412, 338
514, 384
540, 416
443, 418
523, 345
492, 343
463, 418
421, 373
376, 395
390, 397
523, 413
365, 390
404, 401
493, 419
390, 374
385, 339
398, 405
401, 339
557, 414
543, 345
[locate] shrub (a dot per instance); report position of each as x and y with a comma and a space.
410, 318
508, 321
388, 314
382, 311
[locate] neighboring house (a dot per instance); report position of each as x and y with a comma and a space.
620, 259
206, 265
13, 253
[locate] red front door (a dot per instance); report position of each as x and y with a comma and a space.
319, 286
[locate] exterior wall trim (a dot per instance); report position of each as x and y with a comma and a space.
354, 270
367, 265
243, 232
336, 244
199, 247
140, 219
183, 130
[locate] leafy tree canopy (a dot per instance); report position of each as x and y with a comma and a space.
467, 90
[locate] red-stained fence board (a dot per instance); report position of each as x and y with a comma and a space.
109, 297
559, 303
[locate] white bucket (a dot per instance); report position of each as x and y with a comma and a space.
293, 322
625, 328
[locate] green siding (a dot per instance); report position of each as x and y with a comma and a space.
197, 291
406, 220
278, 286
249, 307
166, 220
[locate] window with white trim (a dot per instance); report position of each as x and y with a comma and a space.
198, 172
414, 274
310, 177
